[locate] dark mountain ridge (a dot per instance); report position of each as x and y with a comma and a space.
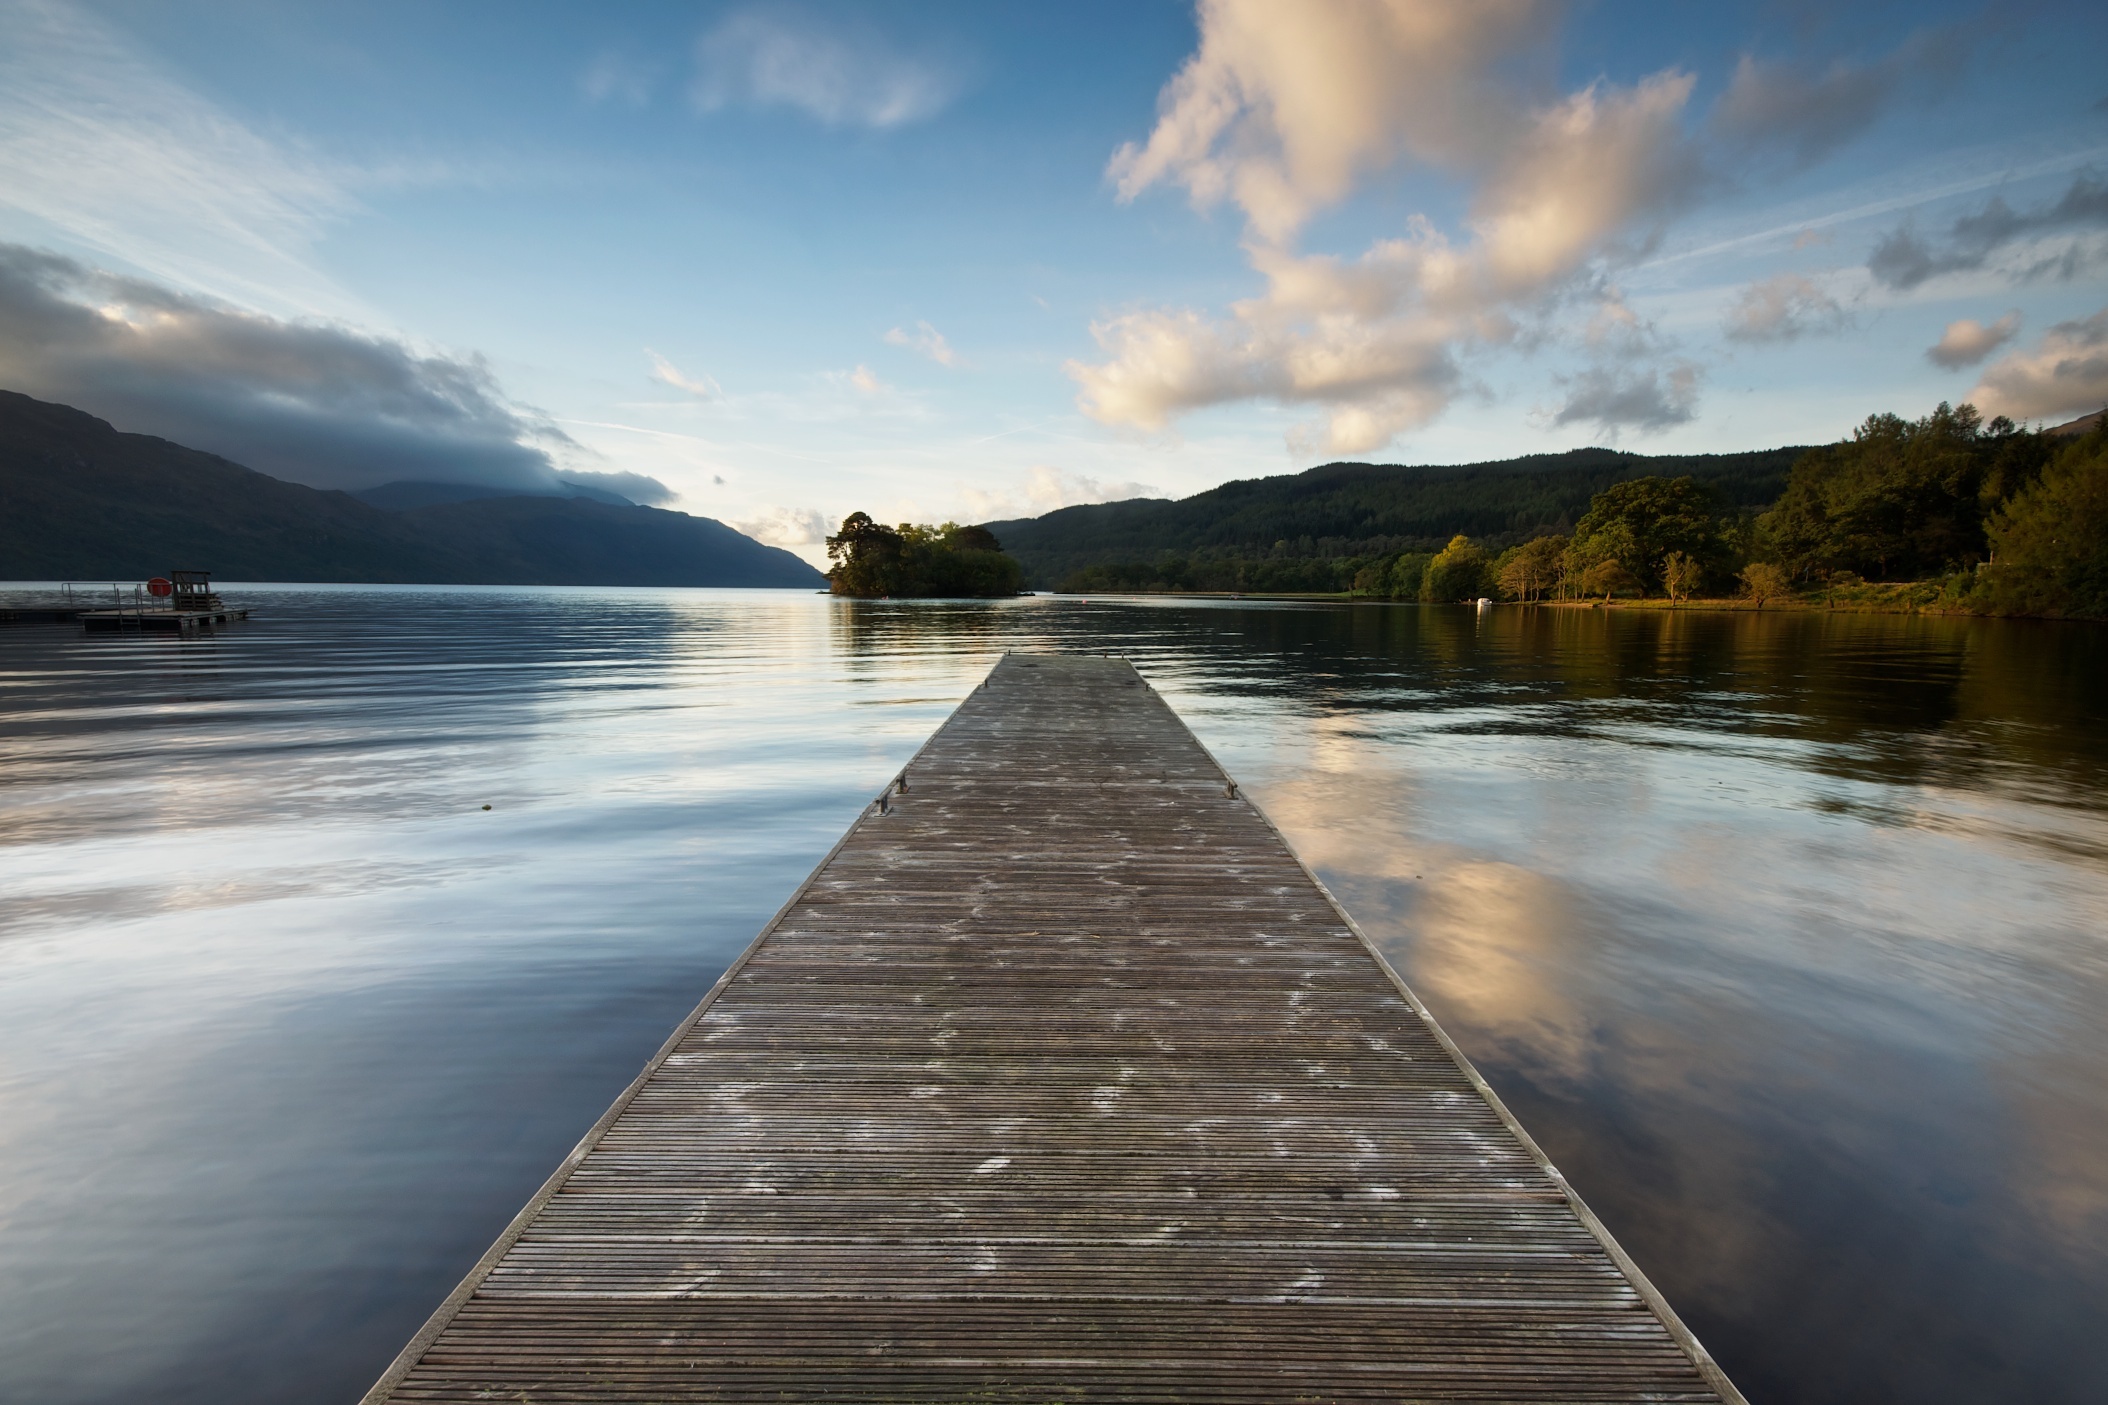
1342, 510
80, 499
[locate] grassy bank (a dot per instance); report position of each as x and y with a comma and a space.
1863, 598
1911, 598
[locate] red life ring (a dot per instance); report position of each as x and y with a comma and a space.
160, 587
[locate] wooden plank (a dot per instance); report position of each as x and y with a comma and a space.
1061, 1079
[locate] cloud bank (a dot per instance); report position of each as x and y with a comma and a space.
1045, 488
1784, 308
1903, 260
778, 57
1280, 110
788, 526
639, 488
1809, 112
1614, 398
2065, 374
308, 401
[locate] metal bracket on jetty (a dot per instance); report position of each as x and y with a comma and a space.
1061, 1079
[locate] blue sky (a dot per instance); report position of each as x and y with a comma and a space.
775, 263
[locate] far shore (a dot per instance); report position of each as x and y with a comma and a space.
1900, 598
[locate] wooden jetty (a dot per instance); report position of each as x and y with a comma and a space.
164, 620
1060, 1080
184, 604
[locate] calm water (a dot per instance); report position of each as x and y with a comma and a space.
1786, 935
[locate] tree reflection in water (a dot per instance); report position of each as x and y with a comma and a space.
1782, 932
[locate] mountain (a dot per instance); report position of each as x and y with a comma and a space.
80, 500
1344, 510
577, 541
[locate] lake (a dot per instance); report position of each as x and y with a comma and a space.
1785, 934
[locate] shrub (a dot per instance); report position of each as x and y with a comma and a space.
1609, 577
1765, 580
1460, 571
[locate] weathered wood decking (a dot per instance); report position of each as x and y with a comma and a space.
161, 620
1060, 1080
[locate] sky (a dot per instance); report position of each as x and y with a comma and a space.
777, 263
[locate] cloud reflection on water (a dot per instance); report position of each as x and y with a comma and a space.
1791, 1060
1784, 935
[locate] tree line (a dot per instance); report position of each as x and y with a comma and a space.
871, 560
1997, 518
1294, 531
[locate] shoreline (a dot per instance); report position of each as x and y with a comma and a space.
1891, 600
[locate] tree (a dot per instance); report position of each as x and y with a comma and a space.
1765, 580
1637, 523
1408, 574
1460, 571
951, 560
1608, 577
2050, 542
865, 558
959, 538
1530, 571
1901, 499
1681, 575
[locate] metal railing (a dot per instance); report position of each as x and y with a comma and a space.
85, 595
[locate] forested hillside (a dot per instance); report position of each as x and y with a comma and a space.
1312, 530
80, 500
1945, 513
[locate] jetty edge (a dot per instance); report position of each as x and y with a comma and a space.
1060, 1078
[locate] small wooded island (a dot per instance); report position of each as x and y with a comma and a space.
872, 560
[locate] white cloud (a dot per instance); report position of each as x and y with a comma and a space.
1043, 488
2065, 374
788, 526
841, 76
664, 371
1784, 308
1582, 174
97, 142
1281, 109
637, 487
866, 382
1968, 341
927, 341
